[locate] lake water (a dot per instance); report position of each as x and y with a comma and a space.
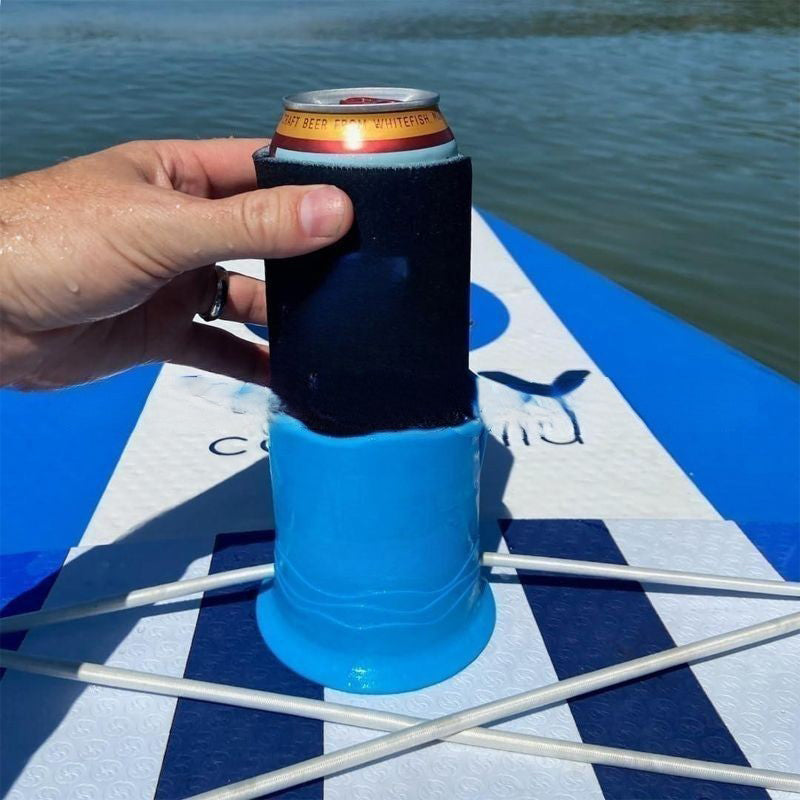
655, 141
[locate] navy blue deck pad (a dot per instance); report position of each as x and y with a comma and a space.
57, 453
25, 582
211, 745
588, 624
372, 333
731, 423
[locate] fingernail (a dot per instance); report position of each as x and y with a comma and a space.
322, 212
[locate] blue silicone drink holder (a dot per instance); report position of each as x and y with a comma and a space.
377, 582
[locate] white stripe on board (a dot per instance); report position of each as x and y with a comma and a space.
756, 691
621, 470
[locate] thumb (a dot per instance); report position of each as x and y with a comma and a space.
266, 223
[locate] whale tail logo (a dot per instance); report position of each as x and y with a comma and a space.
534, 406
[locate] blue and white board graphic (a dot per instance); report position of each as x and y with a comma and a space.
619, 434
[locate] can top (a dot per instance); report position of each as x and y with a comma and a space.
361, 99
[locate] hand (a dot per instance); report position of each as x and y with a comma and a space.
106, 259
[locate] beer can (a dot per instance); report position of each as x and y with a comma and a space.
373, 333
367, 125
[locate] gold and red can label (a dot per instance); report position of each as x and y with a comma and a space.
351, 124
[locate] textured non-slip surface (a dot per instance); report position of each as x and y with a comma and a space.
227, 648
732, 424
78, 741
62, 739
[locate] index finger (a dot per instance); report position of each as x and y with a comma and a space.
210, 167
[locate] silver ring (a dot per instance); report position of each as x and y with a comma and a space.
220, 295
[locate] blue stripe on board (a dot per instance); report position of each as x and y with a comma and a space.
732, 424
588, 624
212, 745
25, 582
57, 452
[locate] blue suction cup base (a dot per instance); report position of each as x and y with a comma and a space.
401, 664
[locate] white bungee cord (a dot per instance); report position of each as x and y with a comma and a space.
663, 577
136, 598
562, 566
336, 762
134, 680
487, 713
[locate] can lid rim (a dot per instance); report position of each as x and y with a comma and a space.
328, 100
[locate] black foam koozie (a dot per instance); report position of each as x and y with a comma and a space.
372, 333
